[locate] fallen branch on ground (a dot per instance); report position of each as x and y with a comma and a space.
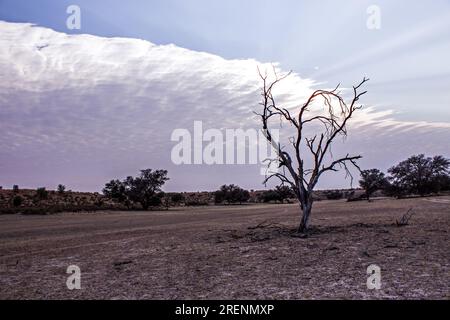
404, 221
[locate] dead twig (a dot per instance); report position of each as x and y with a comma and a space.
404, 221
121, 263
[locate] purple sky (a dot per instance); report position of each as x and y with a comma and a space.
82, 109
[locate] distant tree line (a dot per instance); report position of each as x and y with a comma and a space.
41, 201
417, 175
17, 200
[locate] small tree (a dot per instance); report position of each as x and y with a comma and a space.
371, 181
61, 188
15, 188
143, 189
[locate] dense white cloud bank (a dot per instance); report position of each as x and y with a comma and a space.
79, 109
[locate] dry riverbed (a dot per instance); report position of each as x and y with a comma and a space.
232, 252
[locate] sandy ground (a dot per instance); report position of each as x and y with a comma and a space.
236, 252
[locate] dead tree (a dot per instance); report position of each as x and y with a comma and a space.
332, 121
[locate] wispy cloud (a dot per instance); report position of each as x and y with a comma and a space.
81, 109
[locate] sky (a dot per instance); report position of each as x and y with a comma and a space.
80, 107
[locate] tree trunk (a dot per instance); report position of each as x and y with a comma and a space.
304, 223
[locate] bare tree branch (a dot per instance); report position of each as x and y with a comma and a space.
334, 122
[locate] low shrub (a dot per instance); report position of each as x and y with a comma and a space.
194, 203
334, 195
17, 201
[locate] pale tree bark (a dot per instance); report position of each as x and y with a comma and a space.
333, 123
